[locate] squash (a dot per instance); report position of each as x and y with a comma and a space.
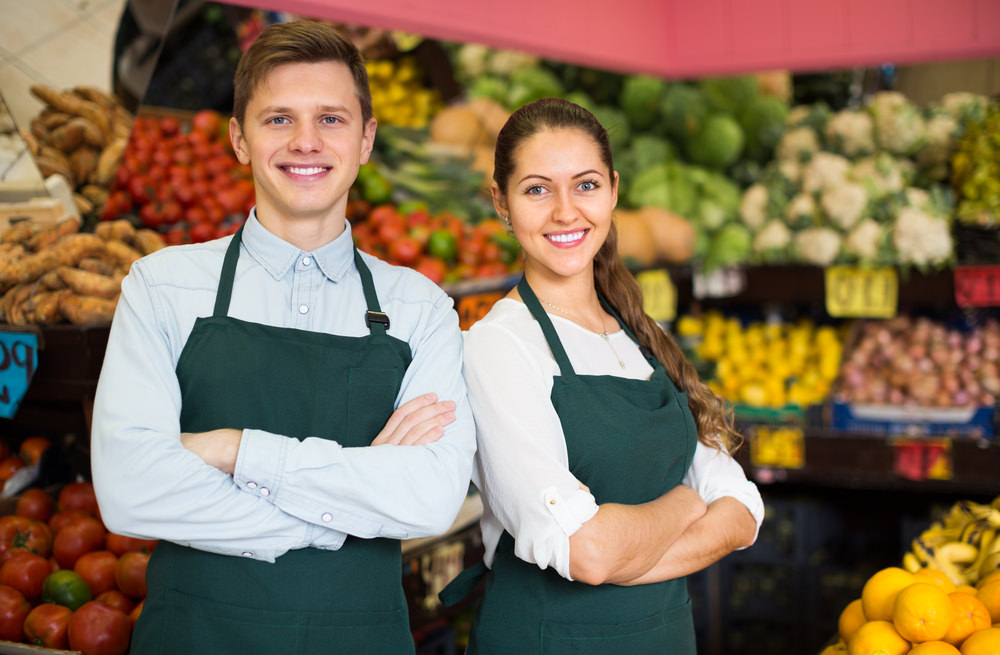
635, 240
673, 236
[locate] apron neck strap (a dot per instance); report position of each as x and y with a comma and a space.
225, 293
555, 345
375, 318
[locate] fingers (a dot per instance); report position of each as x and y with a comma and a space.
417, 422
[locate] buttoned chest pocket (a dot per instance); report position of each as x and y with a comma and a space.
371, 398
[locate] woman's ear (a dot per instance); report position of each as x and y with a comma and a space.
499, 200
614, 191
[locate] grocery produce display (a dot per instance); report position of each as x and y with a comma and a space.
944, 599
80, 134
179, 176
65, 581
60, 274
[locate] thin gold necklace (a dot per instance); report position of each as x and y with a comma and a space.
602, 333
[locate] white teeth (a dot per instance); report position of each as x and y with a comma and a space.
305, 171
565, 238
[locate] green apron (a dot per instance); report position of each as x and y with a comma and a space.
297, 383
630, 441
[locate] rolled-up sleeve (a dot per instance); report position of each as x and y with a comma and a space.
715, 474
521, 464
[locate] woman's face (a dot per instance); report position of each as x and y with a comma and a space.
559, 199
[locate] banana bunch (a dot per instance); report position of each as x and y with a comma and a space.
965, 545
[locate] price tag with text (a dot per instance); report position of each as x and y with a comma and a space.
473, 307
922, 459
18, 361
977, 286
659, 295
777, 446
861, 292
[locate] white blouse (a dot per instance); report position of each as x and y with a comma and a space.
522, 467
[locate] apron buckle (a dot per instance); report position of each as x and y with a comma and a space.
376, 317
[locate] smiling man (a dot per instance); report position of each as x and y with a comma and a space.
276, 407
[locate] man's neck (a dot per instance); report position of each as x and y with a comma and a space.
304, 233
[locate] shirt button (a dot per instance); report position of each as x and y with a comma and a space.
264, 491
327, 517
552, 501
303, 309
247, 553
306, 261
251, 485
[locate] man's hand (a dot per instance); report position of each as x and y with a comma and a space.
218, 447
417, 422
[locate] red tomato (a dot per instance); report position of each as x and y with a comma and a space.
97, 568
25, 572
81, 536
36, 504
184, 194
226, 230
151, 216
136, 611
130, 574
492, 269
98, 629
120, 544
207, 122
169, 126
231, 200
46, 626
418, 217
32, 448
391, 229
183, 155
117, 600
21, 534
13, 611
140, 188
9, 466
214, 213
405, 250
173, 212
176, 236
379, 214
60, 520
79, 495
433, 268
202, 232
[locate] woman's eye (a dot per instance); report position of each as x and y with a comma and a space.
534, 190
588, 185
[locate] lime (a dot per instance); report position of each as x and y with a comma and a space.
442, 244
65, 588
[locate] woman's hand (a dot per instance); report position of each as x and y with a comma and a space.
417, 422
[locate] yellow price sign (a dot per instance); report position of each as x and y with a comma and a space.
780, 447
861, 292
659, 295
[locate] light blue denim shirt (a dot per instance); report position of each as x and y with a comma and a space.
285, 494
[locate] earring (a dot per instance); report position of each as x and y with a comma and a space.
505, 217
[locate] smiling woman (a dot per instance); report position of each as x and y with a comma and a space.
612, 480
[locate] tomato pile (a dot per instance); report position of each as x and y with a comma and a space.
182, 179
442, 247
65, 581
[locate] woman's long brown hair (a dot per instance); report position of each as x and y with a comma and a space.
612, 279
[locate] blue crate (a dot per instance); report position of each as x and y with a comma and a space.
890, 420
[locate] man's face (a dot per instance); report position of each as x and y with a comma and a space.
304, 138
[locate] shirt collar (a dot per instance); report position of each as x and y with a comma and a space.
277, 256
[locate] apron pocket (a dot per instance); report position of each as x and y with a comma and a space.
199, 625
671, 629
371, 399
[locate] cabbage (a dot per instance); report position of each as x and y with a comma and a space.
719, 143
530, 84
730, 245
763, 122
640, 100
666, 186
616, 124
683, 111
729, 94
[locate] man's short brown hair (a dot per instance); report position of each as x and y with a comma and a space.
299, 42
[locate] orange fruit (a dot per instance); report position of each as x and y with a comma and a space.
970, 615
966, 589
922, 612
839, 648
989, 594
934, 648
992, 577
850, 619
879, 593
877, 638
984, 642
935, 577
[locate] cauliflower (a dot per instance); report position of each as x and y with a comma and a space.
883, 174
753, 206
964, 106
921, 239
790, 169
918, 198
844, 204
825, 171
818, 245
798, 144
801, 210
471, 59
851, 133
899, 127
505, 62
771, 243
942, 139
864, 241
798, 115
